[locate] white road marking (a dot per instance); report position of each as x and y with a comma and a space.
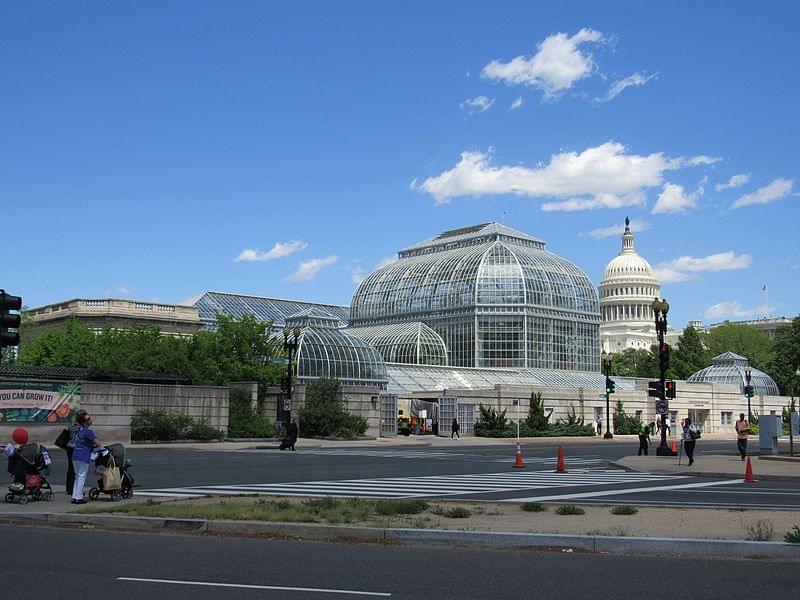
658, 488
282, 588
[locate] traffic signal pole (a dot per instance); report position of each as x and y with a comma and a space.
660, 309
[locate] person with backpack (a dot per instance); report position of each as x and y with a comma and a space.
690, 436
644, 438
742, 431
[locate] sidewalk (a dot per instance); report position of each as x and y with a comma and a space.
714, 465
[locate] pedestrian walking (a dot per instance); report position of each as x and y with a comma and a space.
690, 436
292, 433
644, 438
66, 441
85, 442
454, 429
599, 424
742, 431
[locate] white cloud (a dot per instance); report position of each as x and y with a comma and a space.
279, 250
516, 104
385, 261
556, 66
307, 271
666, 276
478, 104
733, 309
673, 199
604, 232
734, 182
776, 190
686, 268
357, 273
635, 80
606, 175
598, 201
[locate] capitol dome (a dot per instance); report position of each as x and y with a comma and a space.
626, 292
495, 296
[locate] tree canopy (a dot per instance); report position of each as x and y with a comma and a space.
787, 358
742, 339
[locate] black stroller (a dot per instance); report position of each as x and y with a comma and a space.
29, 465
110, 456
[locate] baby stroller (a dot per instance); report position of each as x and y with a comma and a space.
29, 465
111, 456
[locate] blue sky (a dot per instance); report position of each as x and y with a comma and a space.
145, 147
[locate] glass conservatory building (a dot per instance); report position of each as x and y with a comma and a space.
730, 368
494, 295
409, 343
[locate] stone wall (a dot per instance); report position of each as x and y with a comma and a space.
112, 405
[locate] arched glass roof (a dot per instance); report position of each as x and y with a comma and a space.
411, 343
730, 368
332, 353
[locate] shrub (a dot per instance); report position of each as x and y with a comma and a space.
569, 509
793, 535
400, 507
624, 510
323, 413
493, 423
533, 507
243, 421
624, 424
457, 512
167, 425
761, 531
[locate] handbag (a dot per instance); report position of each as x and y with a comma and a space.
112, 476
62, 441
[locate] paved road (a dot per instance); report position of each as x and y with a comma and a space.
460, 471
152, 567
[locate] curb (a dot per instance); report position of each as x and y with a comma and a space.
718, 475
544, 541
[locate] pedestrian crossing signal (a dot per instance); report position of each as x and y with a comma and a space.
669, 389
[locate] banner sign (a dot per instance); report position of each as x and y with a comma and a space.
38, 401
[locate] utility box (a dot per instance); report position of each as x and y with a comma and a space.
769, 428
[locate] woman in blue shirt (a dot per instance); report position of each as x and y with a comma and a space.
85, 441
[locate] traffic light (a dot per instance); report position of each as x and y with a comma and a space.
748, 391
611, 386
669, 389
8, 320
285, 384
655, 389
663, 358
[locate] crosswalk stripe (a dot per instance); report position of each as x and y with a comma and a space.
423, 486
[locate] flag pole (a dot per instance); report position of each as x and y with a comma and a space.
766, 300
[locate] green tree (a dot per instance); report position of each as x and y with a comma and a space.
323, 412
690, 355
742, 339
536, 419
72, 346
787, 358
633, 362
625, 424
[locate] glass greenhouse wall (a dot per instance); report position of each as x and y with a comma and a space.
332, 353
730, 368
496, 297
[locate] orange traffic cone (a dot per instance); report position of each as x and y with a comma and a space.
674, 447
518, 462
748, 473
560, 467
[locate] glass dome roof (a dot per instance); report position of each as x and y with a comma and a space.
496, 296
730, 368
331, 353
411, 343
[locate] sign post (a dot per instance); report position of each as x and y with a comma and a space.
516, 403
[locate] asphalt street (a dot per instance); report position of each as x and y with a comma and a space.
458, 471
153, 566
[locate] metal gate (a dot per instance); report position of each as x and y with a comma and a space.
448, 410
388, 426
466, 419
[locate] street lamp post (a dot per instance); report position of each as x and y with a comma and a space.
606, 367
660, 310
290, 343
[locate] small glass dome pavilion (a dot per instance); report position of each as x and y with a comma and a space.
409, 343
730, 368
325, 350
495, 296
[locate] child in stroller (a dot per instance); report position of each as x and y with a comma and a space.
29, 464
111, 456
